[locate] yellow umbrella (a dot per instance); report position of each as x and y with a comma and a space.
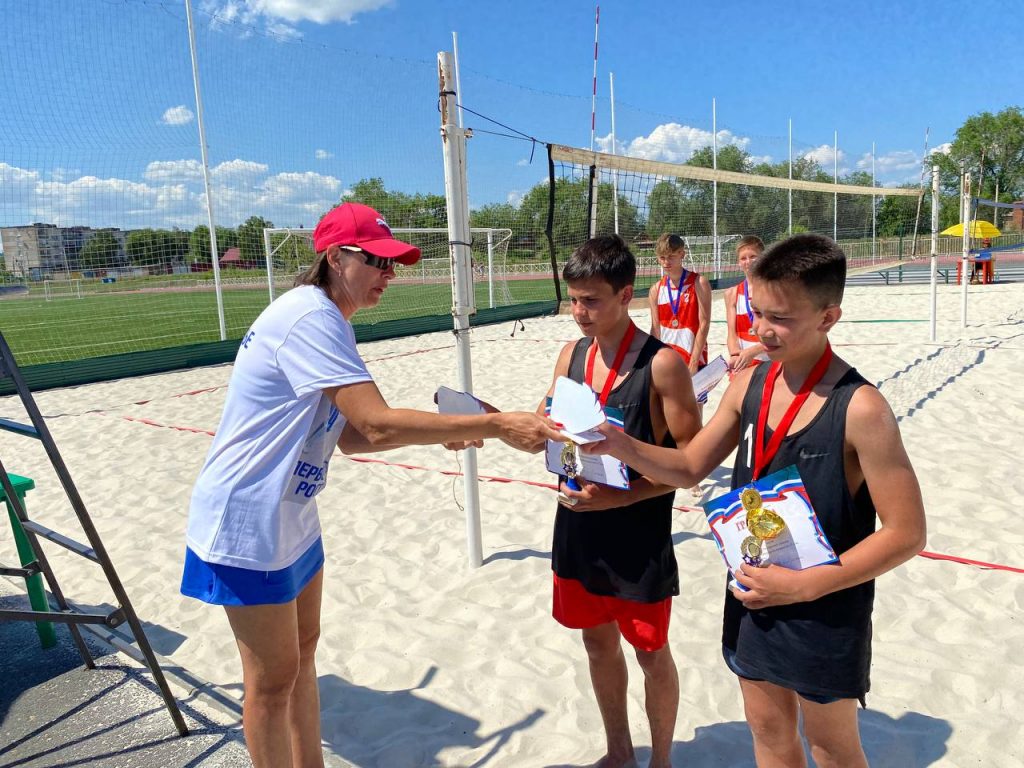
979, 228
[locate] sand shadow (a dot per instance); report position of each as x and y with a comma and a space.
517, 554
163, 640
367, 727
912, 740
54, 711
930, 375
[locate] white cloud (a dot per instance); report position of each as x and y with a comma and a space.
179, 115
323, 154
515, 198
173, 170
278, 16
238, 171
12, 176
91, 200
319, 12
942, 149
169, 194
672, 142
891, 162
826, 156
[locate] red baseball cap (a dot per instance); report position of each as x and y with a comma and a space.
355, 224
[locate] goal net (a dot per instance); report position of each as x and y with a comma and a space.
422, 289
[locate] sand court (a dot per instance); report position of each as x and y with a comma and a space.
424, 661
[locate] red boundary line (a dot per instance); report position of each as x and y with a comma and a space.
551, 486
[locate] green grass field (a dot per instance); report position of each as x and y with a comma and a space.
154, 316
63, 329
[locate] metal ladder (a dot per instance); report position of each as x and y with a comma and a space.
94, 551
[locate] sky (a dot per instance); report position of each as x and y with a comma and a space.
303, 98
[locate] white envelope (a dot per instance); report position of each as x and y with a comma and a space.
459, 403
707, 378
575, 406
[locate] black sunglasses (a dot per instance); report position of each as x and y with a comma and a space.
380, 262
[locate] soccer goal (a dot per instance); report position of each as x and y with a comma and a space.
62, 289
290, 251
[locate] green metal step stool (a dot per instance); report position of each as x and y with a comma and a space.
33, 581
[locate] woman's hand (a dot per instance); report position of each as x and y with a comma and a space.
528, 431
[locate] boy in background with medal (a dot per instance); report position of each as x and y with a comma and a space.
680, 304
614, 568
744, 346
800, 641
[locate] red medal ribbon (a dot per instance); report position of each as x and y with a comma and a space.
763, 455
613, 372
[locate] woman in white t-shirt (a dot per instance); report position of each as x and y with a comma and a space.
298, 389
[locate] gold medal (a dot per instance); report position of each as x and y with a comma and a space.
750, 499
751, 548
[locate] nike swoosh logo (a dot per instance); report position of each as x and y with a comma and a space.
805, 455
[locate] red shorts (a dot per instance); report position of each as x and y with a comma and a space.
644, 625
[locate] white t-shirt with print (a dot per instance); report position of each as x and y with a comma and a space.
254, 504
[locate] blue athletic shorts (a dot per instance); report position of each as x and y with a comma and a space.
730, 661
227, 585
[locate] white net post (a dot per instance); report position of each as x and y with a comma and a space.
965, 219
214, 259
934, 278
453, 141
490, 267
268, 252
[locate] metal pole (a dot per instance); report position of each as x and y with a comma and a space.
920, 198
490, 266
206, 171
835, 195
965, 217
595, 179
714, 187
458, 82
270, 266
615, 171
790, 190
935, 246
593, 90
873, 205
453, 142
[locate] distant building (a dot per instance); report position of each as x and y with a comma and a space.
40, 251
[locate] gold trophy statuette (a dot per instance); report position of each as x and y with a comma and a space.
763, 525
568, 459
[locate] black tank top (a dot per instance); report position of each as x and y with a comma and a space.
624, 552
821, 647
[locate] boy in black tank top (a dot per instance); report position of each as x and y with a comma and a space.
614, 568
800, 641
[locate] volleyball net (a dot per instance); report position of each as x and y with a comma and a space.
712, 210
